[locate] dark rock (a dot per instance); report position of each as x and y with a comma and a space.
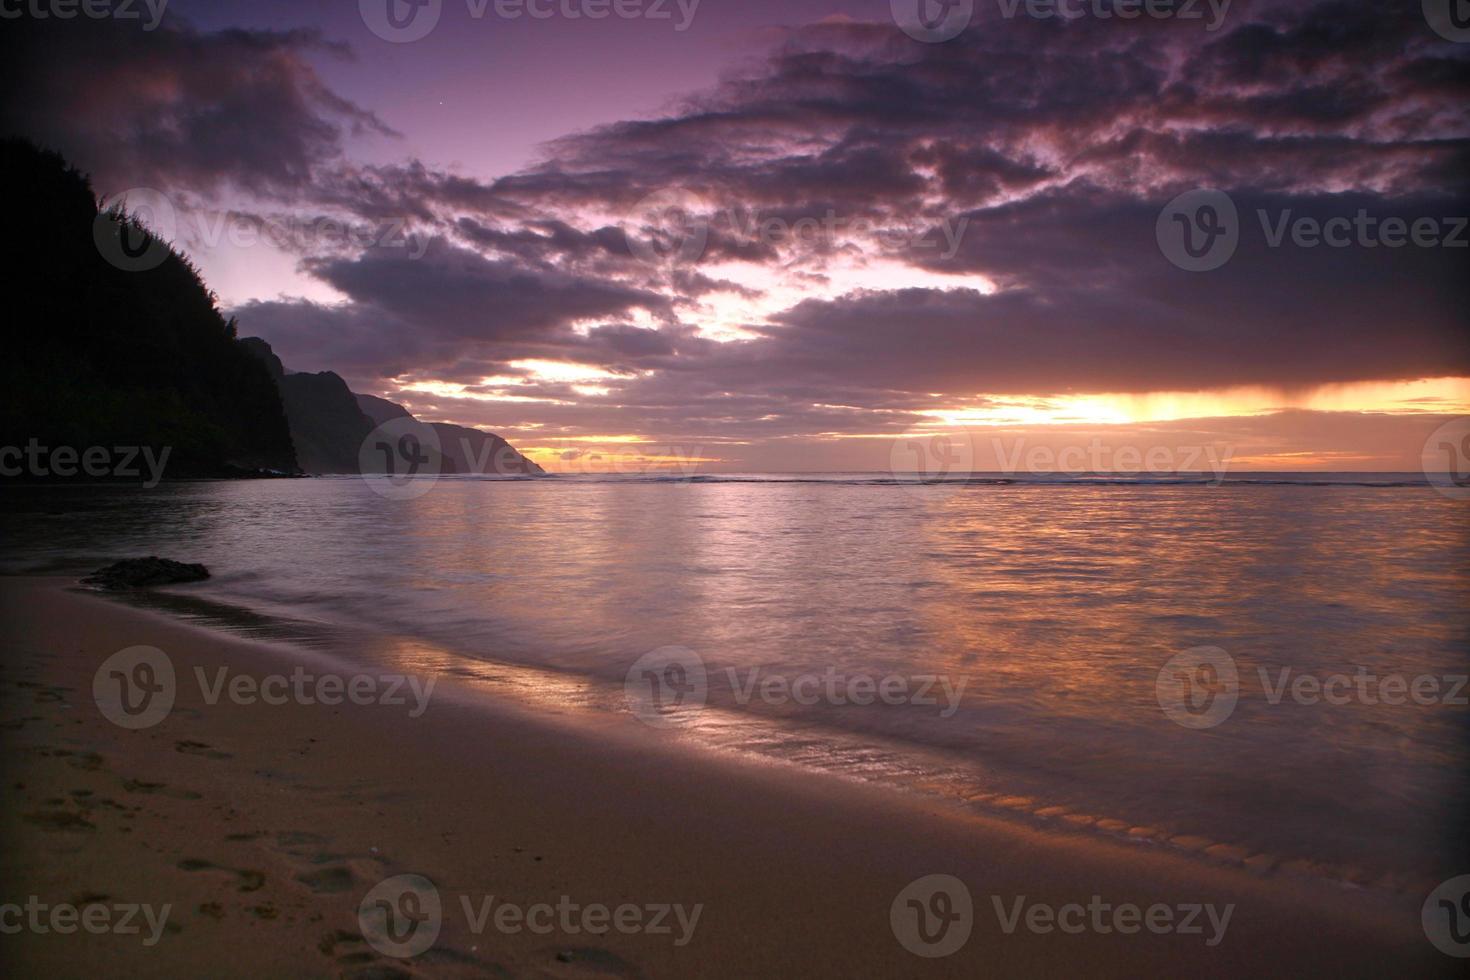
138, 573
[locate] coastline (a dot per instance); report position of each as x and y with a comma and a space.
263, 826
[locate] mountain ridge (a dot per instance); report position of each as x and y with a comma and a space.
120, 352
330, 424
117, 341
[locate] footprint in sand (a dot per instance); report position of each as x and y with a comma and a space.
161, 789
89, 761
249, 880
380, 972
202, 749
43, 692
59, 820
328, 881
323, 871
90, 898
349, 950
445, 961
332, 941
590, 961
290, 839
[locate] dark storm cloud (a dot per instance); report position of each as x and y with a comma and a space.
451, 314
1056, 144
175, 108
1347, 86
459, 293
1058, 156
358, 342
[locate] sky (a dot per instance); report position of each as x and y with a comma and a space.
813, 236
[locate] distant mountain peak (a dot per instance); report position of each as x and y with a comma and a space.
381, 410
330, 422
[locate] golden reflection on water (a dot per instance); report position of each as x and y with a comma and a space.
527, 686
1056, 606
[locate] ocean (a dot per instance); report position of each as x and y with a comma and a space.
1270, 669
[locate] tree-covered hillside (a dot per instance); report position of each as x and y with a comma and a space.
99, 354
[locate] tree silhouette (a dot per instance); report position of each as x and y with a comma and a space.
103, 355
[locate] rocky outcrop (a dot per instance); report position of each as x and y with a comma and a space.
139, 573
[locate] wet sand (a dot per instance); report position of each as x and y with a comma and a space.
264, 826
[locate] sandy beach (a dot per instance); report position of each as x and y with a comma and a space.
263, 848
666, 489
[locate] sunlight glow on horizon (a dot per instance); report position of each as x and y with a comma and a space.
1423, 396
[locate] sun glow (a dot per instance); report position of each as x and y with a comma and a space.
560, 372
763, 291
1425, 396
580, 378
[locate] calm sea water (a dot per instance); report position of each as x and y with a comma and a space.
1056, 604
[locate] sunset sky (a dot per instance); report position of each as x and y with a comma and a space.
882, 236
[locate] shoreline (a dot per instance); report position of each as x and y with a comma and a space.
319, 803
594, 703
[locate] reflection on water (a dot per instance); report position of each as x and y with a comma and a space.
1054, 605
